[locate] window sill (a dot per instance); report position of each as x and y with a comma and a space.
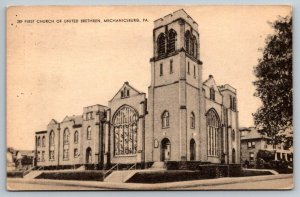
129, 155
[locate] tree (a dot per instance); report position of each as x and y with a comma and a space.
274, 84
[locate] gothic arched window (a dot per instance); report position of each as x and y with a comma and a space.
161, 44
187, 40
66, 141
76, 137
165, 119
39, 141
66, 136
195, 46
212, 93
171, 41
51, 145
192, 120
213, 126
233, 135
125, 127
89, 133
43, 141
51, 138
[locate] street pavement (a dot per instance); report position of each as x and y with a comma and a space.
229, 183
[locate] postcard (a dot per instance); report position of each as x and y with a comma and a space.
149, 97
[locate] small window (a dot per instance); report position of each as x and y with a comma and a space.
192, 120
171, 66
161, 70
76, 154
76, 137
128, 93
43, 155
233, 135
39, 141
249, 145
194, 71
122, 94
39, 156
212, 93
165, 119
51, 154
43, 141
253, 144
188, 68
89, 133
251, 156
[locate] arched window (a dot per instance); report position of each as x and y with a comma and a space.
212, 93
192, 51
192, 120
165, 119
76, 137
43, 141
51, 145
161, 44
51, 138
39, 141
66, 136
187, 39
213, 125
66, 140
195, 46
171, 41
89, 133
233, 135
125, 127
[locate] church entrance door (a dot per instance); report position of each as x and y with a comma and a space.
165, 149
88, 155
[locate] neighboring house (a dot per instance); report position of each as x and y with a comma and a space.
10, 164
24, 159
19, 159
252, 141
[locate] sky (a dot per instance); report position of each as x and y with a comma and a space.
56, 69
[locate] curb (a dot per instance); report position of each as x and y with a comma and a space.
157, 186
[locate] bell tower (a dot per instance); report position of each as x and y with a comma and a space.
176, 88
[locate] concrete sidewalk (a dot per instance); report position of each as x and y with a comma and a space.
157, 186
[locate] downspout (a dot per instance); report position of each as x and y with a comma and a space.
58, 144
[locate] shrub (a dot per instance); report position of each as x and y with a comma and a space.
73, 175
165, 176
15, 174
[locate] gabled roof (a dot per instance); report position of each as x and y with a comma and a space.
76, 119
53, 121
210, 82
66, 119
252, 134
128, 86
26, 152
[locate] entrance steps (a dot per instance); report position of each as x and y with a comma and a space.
80, 168
33, 174
158, 165
120, 176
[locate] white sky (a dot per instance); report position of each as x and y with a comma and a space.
54, 70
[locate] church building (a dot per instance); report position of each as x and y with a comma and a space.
185, 118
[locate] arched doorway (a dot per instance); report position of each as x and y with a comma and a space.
233, 155
192, 150
88, 155
165, 149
